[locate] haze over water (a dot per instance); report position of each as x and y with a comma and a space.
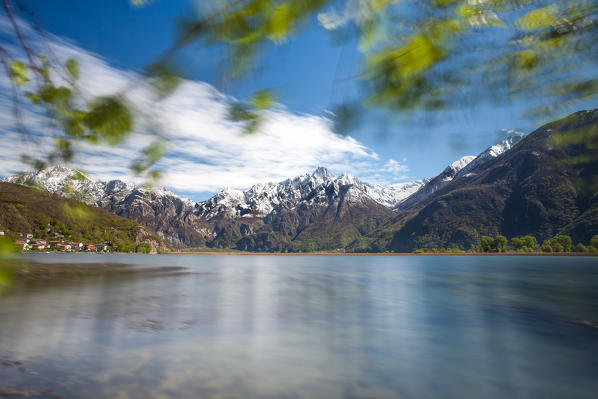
307, 327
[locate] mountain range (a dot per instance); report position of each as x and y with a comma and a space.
290, 215
535, 185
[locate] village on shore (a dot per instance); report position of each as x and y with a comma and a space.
28, 242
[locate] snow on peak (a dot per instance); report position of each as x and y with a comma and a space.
314, 188
392, 195
489, 153
62, 180
346, 179
505, 145
322, 172
461, 163
75, 184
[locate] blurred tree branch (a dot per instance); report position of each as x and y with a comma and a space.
417, 55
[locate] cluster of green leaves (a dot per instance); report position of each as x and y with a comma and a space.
560, 243
101, 120
592, 248
244, 26
524, 244
425, 54
583, 139
418, 55
451, 47
563, 243
488, 244
248, 113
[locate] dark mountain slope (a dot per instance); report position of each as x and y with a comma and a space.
545, 185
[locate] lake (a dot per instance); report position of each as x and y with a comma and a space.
225, 326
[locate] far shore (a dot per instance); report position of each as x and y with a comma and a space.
224, 252
384, 253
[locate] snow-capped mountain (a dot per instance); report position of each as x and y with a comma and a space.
290, 205
308, 189
77, 185
317, 210
453, 169
66, 181
488, 154
436, 183
463, 167
534, 186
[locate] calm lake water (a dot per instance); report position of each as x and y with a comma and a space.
306, 327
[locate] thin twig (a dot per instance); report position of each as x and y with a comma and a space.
28, 50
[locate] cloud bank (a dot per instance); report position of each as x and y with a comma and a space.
206, 152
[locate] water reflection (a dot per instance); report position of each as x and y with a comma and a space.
308, 327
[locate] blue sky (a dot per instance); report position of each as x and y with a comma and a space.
309, 74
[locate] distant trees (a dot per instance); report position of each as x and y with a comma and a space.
454, 250
559, 243
524, 244
489, 244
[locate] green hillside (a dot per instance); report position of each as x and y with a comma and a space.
546, 185
47, 216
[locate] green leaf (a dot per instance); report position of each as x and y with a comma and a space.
538, 19
262, 99
164, 79
281, 22
110, 119
72, 66
36, 164
155, 174
79, 176
154, 152
18, 72
137, 166
241, 113
33, 97
7, 246
58, 96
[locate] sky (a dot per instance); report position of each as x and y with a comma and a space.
309, 74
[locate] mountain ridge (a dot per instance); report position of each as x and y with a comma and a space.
544, 185
183, 222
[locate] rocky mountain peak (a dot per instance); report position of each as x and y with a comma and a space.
488, 154
459, 164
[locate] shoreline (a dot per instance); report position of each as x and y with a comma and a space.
242, 253
384, 254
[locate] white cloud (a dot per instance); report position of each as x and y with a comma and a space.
392, 166
206, 152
